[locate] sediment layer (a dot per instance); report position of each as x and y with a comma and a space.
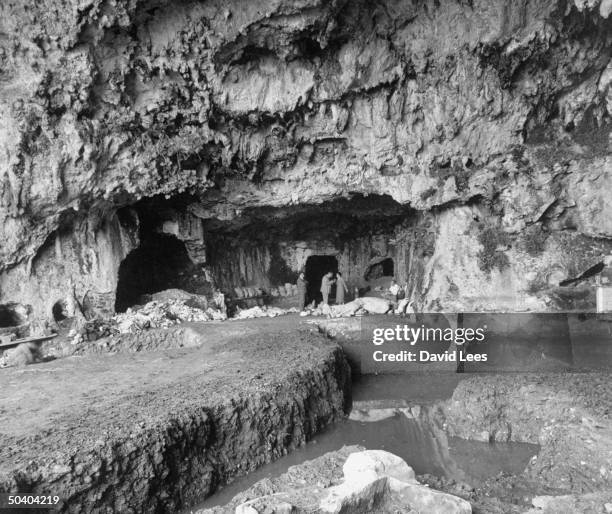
152, 432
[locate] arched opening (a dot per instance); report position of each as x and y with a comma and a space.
316, 267
380, 269
12, 315
59, 311
160, 262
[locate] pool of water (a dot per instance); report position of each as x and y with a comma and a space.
415, 388
404, 431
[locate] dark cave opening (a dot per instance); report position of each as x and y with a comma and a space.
316, 267
160, 262
338, 219
383, 268
59, 311
10, 317
265, 248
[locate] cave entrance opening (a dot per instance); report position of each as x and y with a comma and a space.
316, 267
380, 269
160, 262
59, 311
10, 315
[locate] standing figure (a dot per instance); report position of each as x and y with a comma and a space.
326, 284
394, 289
341, 288
302, 286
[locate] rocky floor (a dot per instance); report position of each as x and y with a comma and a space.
568, 414
157, 421
156, 430
347, 480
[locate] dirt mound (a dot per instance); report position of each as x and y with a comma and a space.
263, 312
164, 314
568, 415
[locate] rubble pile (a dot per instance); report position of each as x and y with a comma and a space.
358, 307
156, 314
92, 330
248, 292
263, 312
256, 291
284, 290
98, 328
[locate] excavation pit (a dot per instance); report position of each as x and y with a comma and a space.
386, 416
156, 431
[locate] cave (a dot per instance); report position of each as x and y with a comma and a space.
383, 268
267, 247
10, 316
160, 262
460, 148
59, 311
316, 267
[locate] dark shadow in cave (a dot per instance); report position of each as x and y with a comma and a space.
9, 317
279, 272
159, 263
59, 311
316, 267
383, 268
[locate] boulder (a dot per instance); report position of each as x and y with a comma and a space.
380, 461
271, 504
360, 493
347, 309
423, 499
375, 478
346, 481
375, 305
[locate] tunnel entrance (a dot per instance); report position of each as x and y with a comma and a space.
59, 311
380, 269
316, 267
160, 262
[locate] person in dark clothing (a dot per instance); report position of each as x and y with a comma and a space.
302, 286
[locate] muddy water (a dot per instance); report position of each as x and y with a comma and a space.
396, 410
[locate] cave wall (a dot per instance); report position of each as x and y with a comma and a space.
78, 266
476, 265
502, 107
236, 263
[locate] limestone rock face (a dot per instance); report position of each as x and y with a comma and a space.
496, 109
